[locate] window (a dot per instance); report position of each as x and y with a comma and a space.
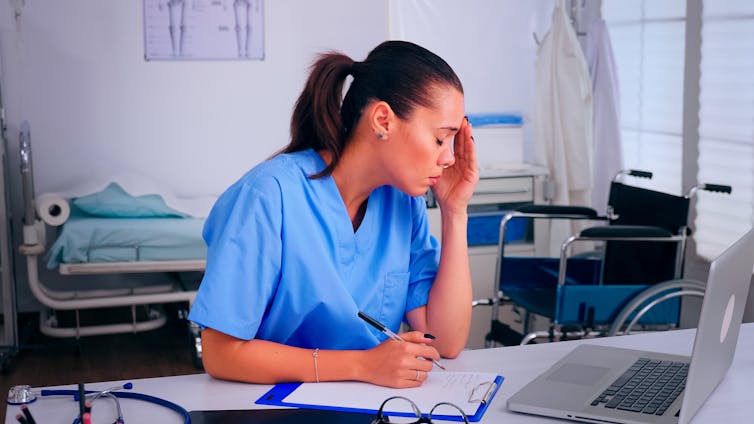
648, 40
649, 44
726, 124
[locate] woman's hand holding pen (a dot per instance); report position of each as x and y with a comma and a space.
397, 364
456, 185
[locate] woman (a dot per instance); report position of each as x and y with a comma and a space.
336, 224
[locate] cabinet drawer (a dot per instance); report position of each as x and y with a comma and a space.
503, 190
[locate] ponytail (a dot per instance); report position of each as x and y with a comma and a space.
316, 121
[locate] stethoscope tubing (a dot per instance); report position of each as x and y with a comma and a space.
126, 395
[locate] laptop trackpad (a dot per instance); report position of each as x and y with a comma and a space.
586, 375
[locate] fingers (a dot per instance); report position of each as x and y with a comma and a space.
423, 358
420, 341
470, 150
414, 378
416, 337
463, 145
468, 145
461, 136
417, 362
417, 356
401, 363
419, 376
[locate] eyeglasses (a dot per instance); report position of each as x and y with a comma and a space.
400, 403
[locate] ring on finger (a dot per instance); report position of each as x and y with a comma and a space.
417, 375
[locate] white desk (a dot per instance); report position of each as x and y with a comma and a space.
732, 402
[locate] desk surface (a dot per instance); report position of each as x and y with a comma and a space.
732, 402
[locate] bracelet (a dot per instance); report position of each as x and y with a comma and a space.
315, 353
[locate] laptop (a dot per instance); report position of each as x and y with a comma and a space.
600, 384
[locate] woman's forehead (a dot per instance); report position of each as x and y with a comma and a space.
447, 110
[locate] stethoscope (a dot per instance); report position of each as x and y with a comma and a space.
21, 395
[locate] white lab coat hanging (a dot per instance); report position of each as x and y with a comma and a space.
563, 117
608, 156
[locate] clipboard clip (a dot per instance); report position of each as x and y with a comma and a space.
482, 392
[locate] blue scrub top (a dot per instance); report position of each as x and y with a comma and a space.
284, 264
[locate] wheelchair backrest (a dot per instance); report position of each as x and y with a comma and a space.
644, 262
641, 206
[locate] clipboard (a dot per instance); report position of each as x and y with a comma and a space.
278, 416
278, 394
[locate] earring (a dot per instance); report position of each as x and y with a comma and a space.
380, 136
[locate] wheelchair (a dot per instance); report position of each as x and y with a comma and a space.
634, 276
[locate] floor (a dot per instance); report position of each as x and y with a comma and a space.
43, 361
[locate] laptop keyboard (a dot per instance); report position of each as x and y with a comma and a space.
648, 386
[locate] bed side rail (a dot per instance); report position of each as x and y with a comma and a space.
27, 173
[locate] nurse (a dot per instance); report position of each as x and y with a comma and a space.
336, 223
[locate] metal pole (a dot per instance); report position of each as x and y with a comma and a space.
7, 282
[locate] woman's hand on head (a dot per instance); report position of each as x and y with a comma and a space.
399, 364
456, 185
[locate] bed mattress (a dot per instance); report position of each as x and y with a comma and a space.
86, 239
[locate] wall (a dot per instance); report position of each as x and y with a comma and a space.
76, 71
490, 45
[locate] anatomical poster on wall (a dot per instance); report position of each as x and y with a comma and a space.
204, 29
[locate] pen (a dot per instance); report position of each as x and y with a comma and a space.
376, 324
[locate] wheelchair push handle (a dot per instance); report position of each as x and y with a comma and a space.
640, 174
633, 173
718, 188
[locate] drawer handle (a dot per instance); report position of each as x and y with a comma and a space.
488, 192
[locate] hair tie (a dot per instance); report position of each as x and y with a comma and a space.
355, 66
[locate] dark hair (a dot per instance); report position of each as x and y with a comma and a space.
399, 73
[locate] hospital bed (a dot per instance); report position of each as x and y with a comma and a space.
97, 246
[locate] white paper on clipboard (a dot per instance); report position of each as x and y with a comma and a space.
464, 389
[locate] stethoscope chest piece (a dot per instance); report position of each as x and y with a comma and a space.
20, 395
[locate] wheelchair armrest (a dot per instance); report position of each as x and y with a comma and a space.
486, 302
614, 233
534, 209
625, 232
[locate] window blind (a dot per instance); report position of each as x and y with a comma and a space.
726, 124
649, 43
